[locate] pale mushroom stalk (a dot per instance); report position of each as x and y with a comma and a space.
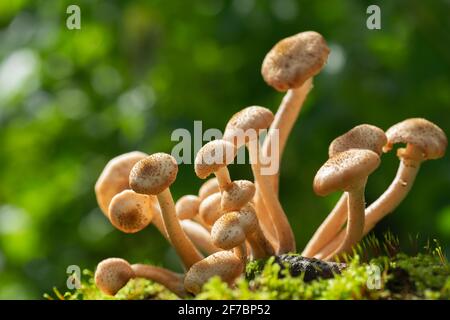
153, 175
171, 280
223, 177
199, 236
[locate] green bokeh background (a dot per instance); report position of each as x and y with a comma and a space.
72, 99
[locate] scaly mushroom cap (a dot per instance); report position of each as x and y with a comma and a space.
364, 136
420, 132
112, 274
114, 178
210, 209
213, 156
153, 174
344, 170
131, 212
295, 59
187, 207
224, 264
208, 188
246, 124
230, 230
237, 195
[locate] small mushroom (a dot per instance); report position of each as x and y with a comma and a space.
239, 130
224, 264
233, 228
424, 140
213, 158
187, 207
210, 209
113, 274
238, 194
153, 175
208, 188
363, 136
348, 171
199, 236
114, 178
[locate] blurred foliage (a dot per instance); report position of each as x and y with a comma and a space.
72, 99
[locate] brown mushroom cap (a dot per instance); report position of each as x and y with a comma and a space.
154, 174
210, 209
364, 136
224, 264
208, 188
239, 193
295, 59
112, 274
187, 207
231, 229
114, 178
420, 132
251, 118
213, 156
131, 212
345, 169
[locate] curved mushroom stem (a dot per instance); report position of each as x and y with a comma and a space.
223, 177
284, 234
328, 229
260, 246
283, 122
355, 221
171, 280
241, 252
390, 199
181, 243
199, 236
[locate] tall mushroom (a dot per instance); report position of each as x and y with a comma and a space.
363, 136
424, 141
153, 175
243, 129
114, 178
289, 66
113, 274
348, 171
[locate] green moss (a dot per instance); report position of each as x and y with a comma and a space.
392, 275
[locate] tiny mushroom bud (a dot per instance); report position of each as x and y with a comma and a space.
114, 178
239, 193
233, 228
112, 275
210, 209
424, 140
153, 175
187, 207
209, 187
243, 128
348, 171
364, 136
224, 264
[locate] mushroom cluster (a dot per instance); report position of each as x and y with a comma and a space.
230, 221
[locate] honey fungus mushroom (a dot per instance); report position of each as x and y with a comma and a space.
424, 141
154, 175
348, 171
114, 178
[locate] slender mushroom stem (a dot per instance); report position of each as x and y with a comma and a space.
199, 236
259, 244
328, 229
181, 243
355, 221
284, 233
171, 280
223, 177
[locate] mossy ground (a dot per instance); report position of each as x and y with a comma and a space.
377, 270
